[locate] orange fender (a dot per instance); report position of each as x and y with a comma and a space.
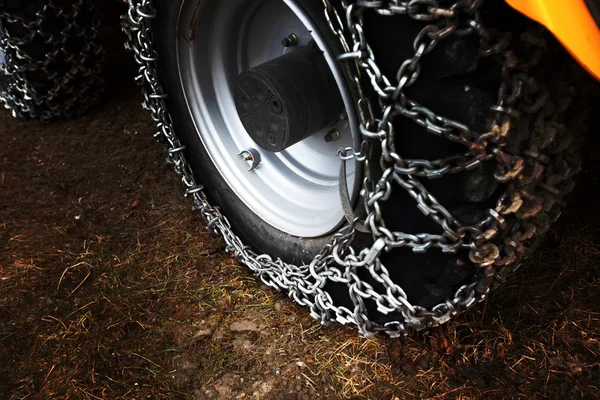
572, 24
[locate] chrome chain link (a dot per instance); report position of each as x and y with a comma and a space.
44, 75
490, 247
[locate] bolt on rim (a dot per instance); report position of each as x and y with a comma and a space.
295, 190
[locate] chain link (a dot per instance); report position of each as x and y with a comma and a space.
489, 247
50, 72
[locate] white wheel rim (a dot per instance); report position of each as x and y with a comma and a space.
296, 190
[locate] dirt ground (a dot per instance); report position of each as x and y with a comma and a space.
111, 288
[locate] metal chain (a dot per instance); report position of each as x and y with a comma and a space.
490, 248
50, 72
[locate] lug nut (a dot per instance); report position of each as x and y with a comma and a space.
332, 135
290, 40
252, 156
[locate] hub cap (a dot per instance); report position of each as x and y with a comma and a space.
288, 99
294, 190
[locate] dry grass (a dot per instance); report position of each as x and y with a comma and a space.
110, 288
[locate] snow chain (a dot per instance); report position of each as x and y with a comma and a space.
49, 72
491, 249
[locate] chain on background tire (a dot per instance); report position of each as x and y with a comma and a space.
491, 249
50, 73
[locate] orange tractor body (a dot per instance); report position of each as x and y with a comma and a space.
575, 23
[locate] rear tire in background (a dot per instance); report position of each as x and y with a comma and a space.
456, 82
50, 59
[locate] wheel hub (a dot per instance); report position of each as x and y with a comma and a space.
295, 190
288, 99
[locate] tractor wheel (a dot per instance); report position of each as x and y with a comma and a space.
265, 100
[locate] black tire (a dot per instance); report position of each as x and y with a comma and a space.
53, 60
432, 278
457, 84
